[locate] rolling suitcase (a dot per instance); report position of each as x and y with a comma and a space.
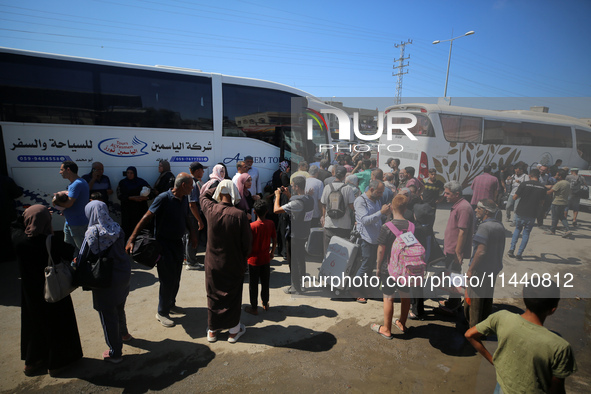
315, 243
340, 261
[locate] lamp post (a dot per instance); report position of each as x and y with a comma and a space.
451, 41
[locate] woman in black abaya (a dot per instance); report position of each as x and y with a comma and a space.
49, 333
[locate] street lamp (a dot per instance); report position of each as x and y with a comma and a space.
451, 41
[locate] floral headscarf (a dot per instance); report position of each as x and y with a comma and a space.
284, 165
102, 231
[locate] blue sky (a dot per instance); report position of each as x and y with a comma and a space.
328, 48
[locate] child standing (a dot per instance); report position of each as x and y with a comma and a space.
529, 357
259, 261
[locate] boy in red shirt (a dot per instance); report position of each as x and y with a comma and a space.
259, 261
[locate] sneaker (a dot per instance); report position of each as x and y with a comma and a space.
512, 224
126, 338
567, 234
113, 360
177, 310
210, 338
511, 253
194, 267
238, 335
519, 257
165, 320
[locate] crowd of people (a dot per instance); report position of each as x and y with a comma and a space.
244, 226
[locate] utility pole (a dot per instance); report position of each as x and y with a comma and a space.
400, 69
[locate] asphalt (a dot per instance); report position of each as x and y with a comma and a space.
312, 343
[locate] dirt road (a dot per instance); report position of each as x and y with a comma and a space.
307, 344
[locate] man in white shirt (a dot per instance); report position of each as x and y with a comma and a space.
513, 182
241, 168
254, 174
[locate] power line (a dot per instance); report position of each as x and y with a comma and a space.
400, 69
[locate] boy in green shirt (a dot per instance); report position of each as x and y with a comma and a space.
529, 358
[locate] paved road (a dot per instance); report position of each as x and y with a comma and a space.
301, 344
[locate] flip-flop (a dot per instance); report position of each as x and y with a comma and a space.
398, 328
361, 300
376, 328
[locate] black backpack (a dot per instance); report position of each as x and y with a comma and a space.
335, 207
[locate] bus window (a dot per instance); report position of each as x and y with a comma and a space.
584, 144
459, 128
256, 112
422, 128
137, 98
37, 90
548, 134
526, 133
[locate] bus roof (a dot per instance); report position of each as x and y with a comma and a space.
506, 114
160, 68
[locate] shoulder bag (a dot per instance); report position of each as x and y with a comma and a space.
58, 277
94, 271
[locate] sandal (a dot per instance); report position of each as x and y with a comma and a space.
402, 330
361, 300
376, 328
266, 307
251, 310
413, 316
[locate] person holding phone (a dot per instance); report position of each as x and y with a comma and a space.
98, 181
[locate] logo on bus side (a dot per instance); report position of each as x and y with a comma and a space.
122, 148
344, 127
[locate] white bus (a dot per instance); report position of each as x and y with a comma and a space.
458, 142
55, 108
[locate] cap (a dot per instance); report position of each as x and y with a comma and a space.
340, 172
194, 166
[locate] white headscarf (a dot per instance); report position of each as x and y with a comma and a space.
102, 231
227, 187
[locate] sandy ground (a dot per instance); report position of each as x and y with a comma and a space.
311, 344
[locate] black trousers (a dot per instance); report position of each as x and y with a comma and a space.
296, 257
256, 273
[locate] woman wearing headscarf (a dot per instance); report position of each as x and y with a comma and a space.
49, 333
165, 180
225, 171
133, 205
218, 174
103, 233
246, 199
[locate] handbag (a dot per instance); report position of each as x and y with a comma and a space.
94, 271
583, 192
58, 278
146, 249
